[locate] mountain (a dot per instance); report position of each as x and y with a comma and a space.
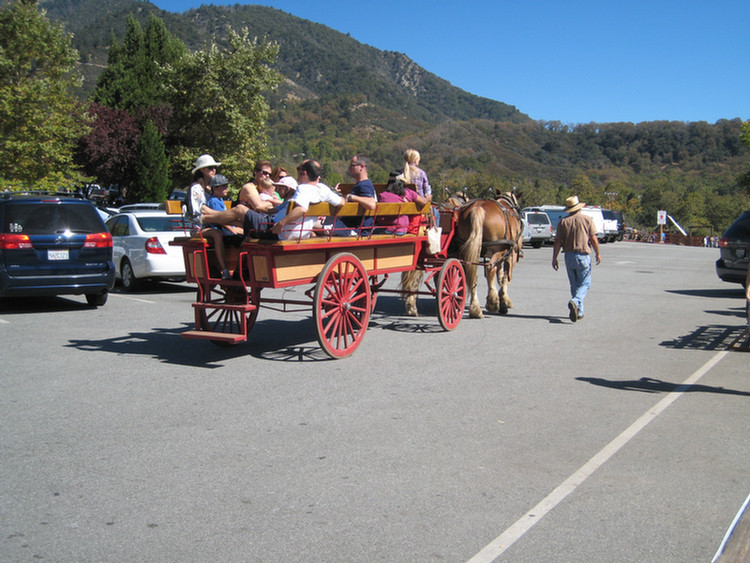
340, 96
316, 60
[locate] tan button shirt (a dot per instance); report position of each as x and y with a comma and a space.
573, 233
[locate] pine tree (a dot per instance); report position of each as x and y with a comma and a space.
133, 77
152, 182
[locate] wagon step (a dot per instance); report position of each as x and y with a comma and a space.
243, 307
216, 336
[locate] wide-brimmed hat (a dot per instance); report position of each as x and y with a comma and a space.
219, 180
572, 204
204, 161
286, 182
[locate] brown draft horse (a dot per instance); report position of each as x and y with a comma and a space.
486, 228
493, 230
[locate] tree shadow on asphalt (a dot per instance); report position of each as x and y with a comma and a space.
649, 385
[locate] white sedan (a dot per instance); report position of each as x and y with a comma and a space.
141, 246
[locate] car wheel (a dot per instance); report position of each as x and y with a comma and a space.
129, 281
96, 299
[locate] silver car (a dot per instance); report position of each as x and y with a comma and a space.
141, 248
537, 228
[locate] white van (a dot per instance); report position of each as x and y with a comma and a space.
596, 214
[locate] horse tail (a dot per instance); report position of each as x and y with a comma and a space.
472, 248
411, 280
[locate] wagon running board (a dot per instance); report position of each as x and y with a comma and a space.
217, 336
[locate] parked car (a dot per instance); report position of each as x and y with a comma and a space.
54, 245
141, 246
611, 225
734, 251
140, 206
555, 213
178, 195
596, 214
537, 227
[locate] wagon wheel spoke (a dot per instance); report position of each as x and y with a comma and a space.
341, 305
227, 321
451, 294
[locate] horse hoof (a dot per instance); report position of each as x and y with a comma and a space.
412, 312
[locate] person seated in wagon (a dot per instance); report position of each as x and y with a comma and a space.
362, 193
397, 192
294, 224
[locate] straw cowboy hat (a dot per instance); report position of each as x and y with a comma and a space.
572, 204
204, 161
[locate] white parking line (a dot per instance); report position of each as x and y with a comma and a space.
121, 296
497, 547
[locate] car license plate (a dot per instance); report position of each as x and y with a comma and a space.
58, 255
740, 253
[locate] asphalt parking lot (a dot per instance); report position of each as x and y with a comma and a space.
620, 438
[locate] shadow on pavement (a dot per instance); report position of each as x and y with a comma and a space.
709, 337
649, 385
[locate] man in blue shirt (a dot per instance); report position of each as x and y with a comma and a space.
362, 193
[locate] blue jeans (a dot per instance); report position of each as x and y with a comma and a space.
578, 267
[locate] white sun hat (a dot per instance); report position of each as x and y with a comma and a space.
204, 161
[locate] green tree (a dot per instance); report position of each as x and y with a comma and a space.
744, 179
133, 77
152, 181
219, 105
40, 119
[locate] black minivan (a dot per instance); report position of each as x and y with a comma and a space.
734, 251
53, 245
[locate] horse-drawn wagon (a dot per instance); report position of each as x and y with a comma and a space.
345, 275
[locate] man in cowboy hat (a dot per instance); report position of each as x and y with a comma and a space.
576, 235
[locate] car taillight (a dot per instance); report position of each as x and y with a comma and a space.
98, 240
153, 246
723, 242
14, 242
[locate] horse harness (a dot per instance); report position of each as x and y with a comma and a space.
509, 208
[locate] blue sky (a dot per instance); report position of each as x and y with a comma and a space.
572, 61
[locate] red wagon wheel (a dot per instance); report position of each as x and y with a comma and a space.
341, 306
228, 321
451, 294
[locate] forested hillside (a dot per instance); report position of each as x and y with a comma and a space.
340, 96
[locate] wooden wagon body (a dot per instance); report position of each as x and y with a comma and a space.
345, 275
